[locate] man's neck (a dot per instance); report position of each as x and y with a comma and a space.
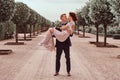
63, 21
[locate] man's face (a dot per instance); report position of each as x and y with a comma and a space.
64, 18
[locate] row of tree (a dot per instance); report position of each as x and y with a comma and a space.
99, 12
21, 15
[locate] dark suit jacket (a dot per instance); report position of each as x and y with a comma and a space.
66, 43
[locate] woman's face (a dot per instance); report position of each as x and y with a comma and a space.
69, 18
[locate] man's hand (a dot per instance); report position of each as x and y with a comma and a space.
69, 31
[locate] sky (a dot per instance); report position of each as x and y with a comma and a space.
52, 9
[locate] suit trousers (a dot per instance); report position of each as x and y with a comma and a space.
59, 51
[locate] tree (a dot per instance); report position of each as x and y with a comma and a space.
85, 14
32, 20
100, 13
45, 23
21, 16
7, 8
38, 23
9, 29
81, 21
83, 17
95, 17
48, 23
116, 9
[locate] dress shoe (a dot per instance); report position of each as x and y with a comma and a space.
56, 74
69, 74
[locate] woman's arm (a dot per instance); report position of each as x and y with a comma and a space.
71, 31
73, 27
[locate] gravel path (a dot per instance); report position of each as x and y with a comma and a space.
32, 62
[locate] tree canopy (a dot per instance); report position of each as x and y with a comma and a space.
22, 13
7, 8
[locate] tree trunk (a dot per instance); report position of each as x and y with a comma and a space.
37, 28
105, 34
25, 30
83, 31
16, 34
30, 31
34, 29
78, 30
118, 20
97, 34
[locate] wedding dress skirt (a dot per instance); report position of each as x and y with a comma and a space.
61, 35
48, 42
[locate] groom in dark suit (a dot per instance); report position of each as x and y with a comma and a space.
63, 46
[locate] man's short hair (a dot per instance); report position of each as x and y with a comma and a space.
62, 15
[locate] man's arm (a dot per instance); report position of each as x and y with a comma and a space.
58, 29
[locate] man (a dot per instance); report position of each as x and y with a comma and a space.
63, 46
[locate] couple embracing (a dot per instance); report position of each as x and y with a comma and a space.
63, 43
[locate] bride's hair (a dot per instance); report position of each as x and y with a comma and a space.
73, 15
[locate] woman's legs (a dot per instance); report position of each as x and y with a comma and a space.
47, 38
60, 35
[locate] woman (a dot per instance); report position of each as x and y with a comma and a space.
60, 35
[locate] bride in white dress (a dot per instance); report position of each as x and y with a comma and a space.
62, 35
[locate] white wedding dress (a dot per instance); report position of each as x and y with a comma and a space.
61, 36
